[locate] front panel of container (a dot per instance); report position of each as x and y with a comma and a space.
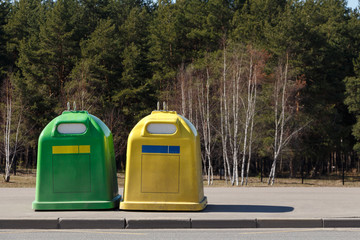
74, 166
162, 168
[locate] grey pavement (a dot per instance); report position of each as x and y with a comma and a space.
180, 234
233, 207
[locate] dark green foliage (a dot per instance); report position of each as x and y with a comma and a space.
352, 100
45, 60
24, 22
118, 58
4, 61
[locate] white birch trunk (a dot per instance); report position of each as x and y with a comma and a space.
280, 85
10, 152
236, 83
183, 96
248, 113
201, 109
252, 116
205, 122
7, 137
223, 127
208, 148
190, 102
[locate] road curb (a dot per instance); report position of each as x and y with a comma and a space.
158, 223
52, 223
72, 223
341, 222
289, 223
223, 223
122, 223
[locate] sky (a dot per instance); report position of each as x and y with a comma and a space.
353, 3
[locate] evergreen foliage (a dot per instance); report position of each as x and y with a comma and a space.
116, 59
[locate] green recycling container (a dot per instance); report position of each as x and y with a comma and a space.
76, 165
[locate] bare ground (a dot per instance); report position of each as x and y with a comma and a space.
27, 179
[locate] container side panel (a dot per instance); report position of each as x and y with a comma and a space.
71, 173
160, 173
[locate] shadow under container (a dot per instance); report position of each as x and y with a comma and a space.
76, 165
163, 165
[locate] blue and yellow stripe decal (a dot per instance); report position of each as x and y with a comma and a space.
160, 149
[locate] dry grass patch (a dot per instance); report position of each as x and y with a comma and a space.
21, 180
121, 179
27, 179
290, 182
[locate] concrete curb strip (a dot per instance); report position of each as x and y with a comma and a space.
289, 223
72, 223
342, 223
223, 223
157, 223
121, 223
29, 223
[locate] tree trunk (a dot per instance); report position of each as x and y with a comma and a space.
224, 121
252, 116
7, 131
204, 108
247, 120
208, 149
182, 84
280, 85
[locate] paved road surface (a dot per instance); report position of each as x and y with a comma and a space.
270, 207
224, 203
244, 234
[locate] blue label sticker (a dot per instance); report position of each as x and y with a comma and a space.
160, 149
174, 149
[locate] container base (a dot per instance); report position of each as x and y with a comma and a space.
164, 206
77, 205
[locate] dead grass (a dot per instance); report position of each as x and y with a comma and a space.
291, 182
27, 179
23, 179
121, 179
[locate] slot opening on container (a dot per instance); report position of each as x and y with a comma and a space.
71, 128
161, 128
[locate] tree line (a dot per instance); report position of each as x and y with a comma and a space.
271, 86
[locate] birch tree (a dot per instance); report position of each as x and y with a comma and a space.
256, 69
191, 100
184, 80
238, 72
248, 114
233, 129
204, 108
224, 128
230, 109
10, 146
283, 112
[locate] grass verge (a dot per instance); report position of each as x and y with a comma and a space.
27, 179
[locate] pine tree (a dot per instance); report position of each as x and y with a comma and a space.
46, 59
25, 19
166, 33
352, 100
4, 58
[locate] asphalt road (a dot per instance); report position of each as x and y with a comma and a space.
208, 234
224, 203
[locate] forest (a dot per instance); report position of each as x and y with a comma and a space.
272, 86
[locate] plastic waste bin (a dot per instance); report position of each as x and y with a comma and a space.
163, 165
76, 164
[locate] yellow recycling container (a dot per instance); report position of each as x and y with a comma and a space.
163, 165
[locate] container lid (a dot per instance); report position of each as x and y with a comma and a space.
71, 123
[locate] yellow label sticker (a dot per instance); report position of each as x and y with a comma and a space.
84, 148
71, 149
